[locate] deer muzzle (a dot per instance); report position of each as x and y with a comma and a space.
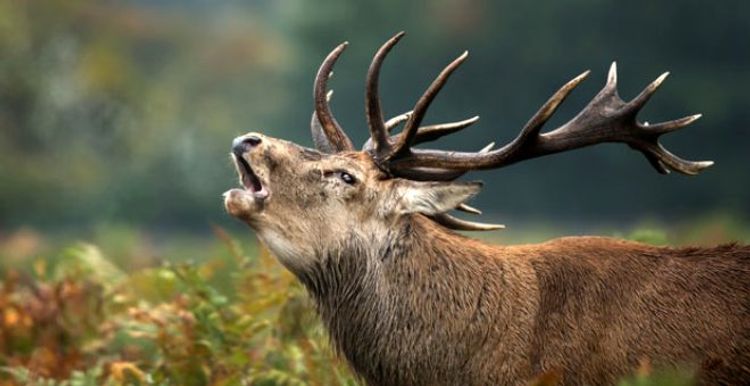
250, 198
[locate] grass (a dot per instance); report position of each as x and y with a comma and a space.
233, 316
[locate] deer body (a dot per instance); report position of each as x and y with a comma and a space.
409, 302
444, 309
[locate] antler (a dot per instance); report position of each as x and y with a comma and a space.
382, 146
424, 133
327, 133
607, 118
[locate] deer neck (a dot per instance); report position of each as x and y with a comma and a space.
413, 296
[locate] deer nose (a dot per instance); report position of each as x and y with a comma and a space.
244, 143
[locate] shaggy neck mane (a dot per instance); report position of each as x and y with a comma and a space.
388, 303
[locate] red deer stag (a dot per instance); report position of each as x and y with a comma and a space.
407, 301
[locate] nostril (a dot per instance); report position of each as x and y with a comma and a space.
252, 140
243, 144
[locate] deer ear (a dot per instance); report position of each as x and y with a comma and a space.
433, 197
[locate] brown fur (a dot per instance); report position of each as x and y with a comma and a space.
408, 302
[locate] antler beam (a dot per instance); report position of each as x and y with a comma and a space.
607, 118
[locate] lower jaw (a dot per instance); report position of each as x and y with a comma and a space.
240, 203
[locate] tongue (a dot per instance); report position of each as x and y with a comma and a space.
261, 194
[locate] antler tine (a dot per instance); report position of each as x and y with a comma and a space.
451, 222
663, 160
398, 119
638, 102
534, 125
319, 137
424, 133
333, 131
468, 209
607, 118
373, 110
611, 84
433, 132
669, 126
420, 109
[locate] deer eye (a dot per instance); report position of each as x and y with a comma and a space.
348, 178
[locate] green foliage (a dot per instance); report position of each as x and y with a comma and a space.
235, 317
645, 377
84, 321
649, 235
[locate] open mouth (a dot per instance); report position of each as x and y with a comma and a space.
248, 178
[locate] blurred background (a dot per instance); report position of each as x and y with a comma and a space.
116, 116
118, 265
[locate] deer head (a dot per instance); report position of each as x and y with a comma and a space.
305, 202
